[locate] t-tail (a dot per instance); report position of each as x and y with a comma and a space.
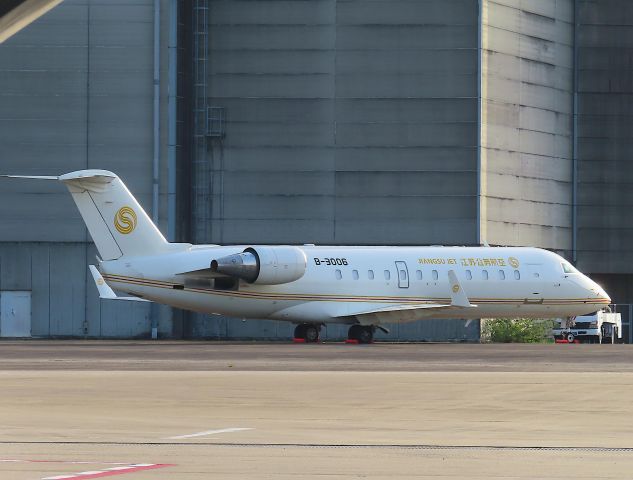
117, 223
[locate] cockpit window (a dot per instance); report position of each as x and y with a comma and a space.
567, 268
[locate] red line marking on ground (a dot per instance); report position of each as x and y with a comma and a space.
110, 472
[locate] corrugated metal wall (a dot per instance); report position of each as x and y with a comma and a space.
75, 92
348, 122
605, 116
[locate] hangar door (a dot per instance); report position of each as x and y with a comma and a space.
15, 314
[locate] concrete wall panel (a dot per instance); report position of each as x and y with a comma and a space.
527, 123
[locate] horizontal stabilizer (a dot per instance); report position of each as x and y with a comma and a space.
104, 289
32, 177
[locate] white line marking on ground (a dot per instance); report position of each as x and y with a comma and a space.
208, 432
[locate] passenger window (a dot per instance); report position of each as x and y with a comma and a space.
484, 274
403, 275
387, 274
469, 275
339, 275
418, 274
370, 274
434, 274
517, 275
502, 275
355, 274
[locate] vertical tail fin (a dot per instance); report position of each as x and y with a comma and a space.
116, 222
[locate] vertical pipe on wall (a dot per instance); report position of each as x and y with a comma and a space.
574, 147
171, 120
156, 160
480, 237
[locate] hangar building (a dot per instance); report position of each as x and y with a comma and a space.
405, 122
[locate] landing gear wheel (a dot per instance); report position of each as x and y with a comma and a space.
570, 338
311, 333
307, 332
366, 335
361, 333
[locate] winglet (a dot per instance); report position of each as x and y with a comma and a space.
104, 289
458, 297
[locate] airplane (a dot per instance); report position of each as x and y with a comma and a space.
364, 287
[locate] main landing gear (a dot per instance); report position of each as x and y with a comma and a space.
307, 332
361, 333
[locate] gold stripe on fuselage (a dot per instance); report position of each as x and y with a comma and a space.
338, 298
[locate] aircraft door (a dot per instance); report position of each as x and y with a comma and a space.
403, 274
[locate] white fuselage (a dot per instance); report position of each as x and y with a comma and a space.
340, 282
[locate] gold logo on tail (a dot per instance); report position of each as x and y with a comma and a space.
125, 220
455, 288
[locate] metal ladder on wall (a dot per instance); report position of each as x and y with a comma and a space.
201, 175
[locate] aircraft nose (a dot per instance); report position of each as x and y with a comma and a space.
599, 292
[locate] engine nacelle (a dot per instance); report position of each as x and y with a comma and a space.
264, 265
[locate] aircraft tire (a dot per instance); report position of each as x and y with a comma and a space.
366, 335
311, 333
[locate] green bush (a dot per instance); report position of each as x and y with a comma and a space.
516, 330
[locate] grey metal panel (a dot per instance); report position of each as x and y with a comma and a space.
396, 37
429, 85
271, 61
396, 232
425, 210
41, 285
271, 37
605, 105
15, 268
418, 158
247, 207
404, 185
308, 85
415, 61
276, 231
404, 12
277, 12
325, 90
67, 289
406, 110
406, 134
124, 319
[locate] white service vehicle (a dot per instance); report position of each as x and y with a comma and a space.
364, 287
600, 327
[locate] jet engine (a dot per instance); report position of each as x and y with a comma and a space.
264, 265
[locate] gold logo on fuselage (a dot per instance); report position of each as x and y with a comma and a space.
514, 263
125, 220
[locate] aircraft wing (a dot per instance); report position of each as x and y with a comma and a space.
104, 289
412, 312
